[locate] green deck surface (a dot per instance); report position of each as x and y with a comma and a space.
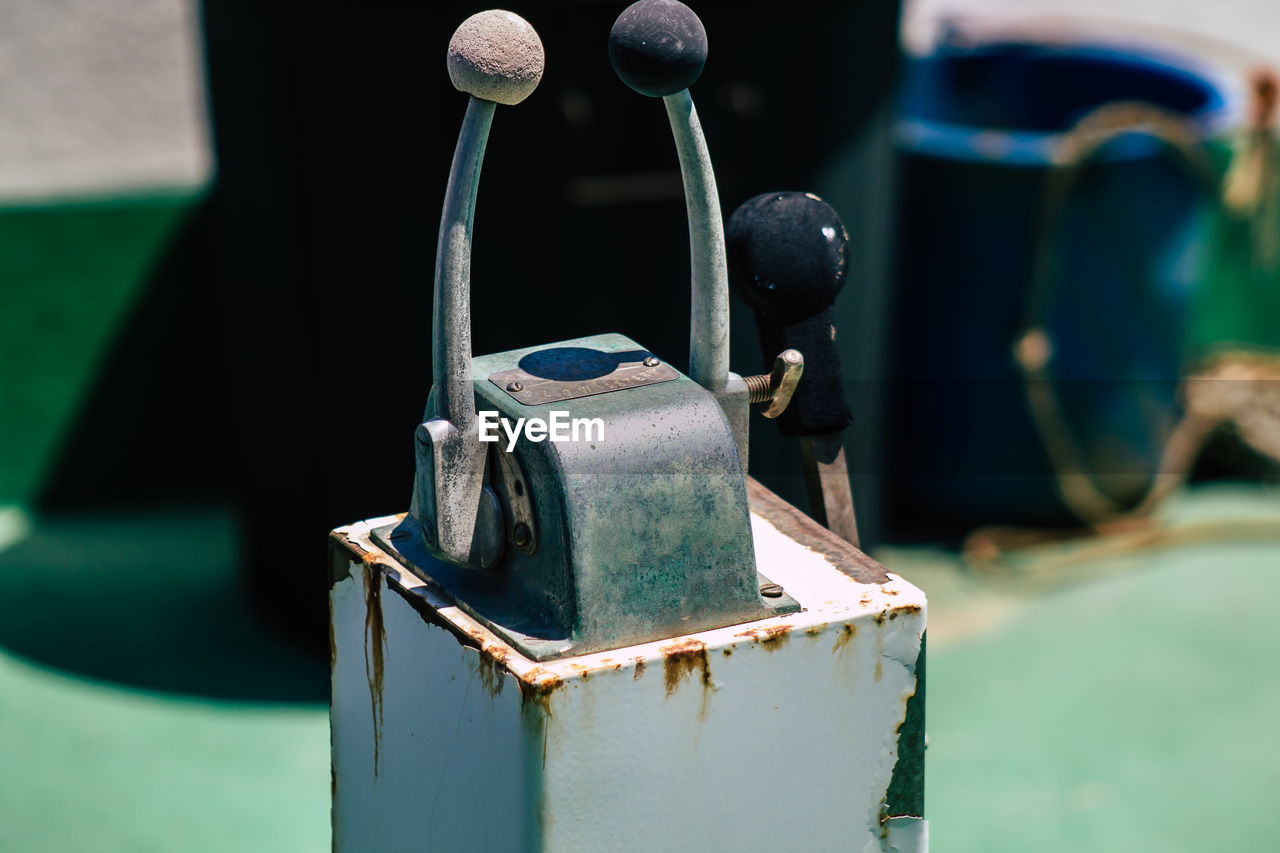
1131, 709
141, 708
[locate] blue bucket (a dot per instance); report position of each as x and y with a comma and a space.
977, 135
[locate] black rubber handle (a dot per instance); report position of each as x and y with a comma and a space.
658, 47
788, 255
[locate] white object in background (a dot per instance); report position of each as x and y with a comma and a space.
101, 98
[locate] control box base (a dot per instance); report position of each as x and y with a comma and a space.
781, 733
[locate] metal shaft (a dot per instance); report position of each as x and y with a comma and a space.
451, 330
826, 476
709, 324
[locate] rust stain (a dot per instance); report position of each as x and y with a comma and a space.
769, 638
728, 652
535, 702
842, 639
879, 668
537, 686
491, 672
375, 642
639, 673
682, 658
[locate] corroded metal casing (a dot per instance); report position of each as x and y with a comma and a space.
786, 733
633, 533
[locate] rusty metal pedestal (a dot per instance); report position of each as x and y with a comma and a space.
781, 733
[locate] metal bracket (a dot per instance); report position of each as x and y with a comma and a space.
517, 500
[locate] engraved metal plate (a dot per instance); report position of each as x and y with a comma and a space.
568, 372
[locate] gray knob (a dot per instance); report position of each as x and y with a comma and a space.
497, 56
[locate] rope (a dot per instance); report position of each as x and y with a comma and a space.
1235, 389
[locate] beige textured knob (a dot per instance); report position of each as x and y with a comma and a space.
496, 56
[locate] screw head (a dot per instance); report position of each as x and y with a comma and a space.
651, 361
771, 590
515, 387
520, 535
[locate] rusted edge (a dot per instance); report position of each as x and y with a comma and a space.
903, 610
769, 638
813, 535
343, 552
535, 686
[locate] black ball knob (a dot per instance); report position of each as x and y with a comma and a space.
788, 258
658, 47
788, 254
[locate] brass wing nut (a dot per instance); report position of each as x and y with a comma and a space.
776, 387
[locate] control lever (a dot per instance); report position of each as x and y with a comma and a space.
658, 48
497, 58
788, 257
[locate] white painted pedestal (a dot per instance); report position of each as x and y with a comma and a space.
776, 735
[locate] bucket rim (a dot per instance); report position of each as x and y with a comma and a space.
1024, 147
